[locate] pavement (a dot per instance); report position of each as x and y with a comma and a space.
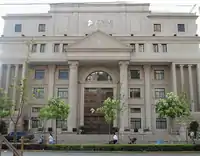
102, 154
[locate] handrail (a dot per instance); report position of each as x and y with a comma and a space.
10, 146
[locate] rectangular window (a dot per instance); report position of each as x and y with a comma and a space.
42, 48
135, 74
61, 124
34, 48
42, 28
38, 93
164, 48
18, 27
63, 74
159, 93
157, 27
134, 93
62, 93
36, 123
133, 47
135, 123
36, 109
64, 48
155, 48
39, 74
159, 74
135, 110
161, 123
181, 27
56, 48
141, 47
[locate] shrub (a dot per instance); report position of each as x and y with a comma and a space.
110, 147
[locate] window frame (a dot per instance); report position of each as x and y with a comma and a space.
133, 92
134, 110
179, 28
134, 122
159, 74
42, 48
155, 48
138, 74
18, 26
63, 90
35, 108
161, 123
159, 93
155, 26
60, 71
42, 28
34, 48
141, 47
164, 47
37, 121
37, 94
58, 47
39, 71
64, 47
61, 123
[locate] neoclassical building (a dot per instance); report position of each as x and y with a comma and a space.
87, 52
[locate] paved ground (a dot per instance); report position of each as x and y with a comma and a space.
100, 154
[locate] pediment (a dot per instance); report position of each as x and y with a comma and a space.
98, 40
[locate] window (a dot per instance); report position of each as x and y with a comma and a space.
159, 74
18, 28
135, 110
135, 123
141, 47
133, 47
159, 93
56, 48
39, 74
63, 74
135, 74
34, 48
161, 123
38, 93
181, 27
98, 76
41, 28
155, 48
61, 124
64, 47
62, 93
157, 27
36, 109
134, 92
42, 48
36, 123
164, 48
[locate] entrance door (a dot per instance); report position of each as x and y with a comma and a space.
95, 123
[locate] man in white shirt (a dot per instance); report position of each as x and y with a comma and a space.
115, 139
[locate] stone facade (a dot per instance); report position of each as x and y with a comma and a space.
142, 55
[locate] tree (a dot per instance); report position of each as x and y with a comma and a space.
173, 106
55, 109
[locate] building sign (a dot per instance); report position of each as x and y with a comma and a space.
100, 23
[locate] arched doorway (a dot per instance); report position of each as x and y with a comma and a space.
94, 97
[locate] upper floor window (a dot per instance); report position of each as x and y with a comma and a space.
56, 47
36, 109
63, 74
141, 47
38, 93
134, 93
159, 93
155, 48
62, 93
161, 123
135, 74
157, 27
159, 74
135, 123
164, 48
42, 48
135, 110
99, 76
64, 49
18, 27
133, 47
42, 28
34, 48
39, 74
181, 27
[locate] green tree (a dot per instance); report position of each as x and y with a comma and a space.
56, 109
172, 107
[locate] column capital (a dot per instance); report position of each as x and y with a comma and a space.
147, 66
190, 65
73, 63
181, 65
124, 63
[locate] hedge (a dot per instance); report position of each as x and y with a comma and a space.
110, 147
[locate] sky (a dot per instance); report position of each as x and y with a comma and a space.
7, 6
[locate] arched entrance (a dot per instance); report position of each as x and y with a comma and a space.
94, 97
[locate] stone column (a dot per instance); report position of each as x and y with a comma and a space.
174, 84
124, 119
148, 99
1, 71
182, 77
15, 83
73, 94
7, 78
198, 83
191, 88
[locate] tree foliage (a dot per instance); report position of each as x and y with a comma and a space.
173, 106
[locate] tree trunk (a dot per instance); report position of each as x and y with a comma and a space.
56, 132
171, 125
15, 133
109, 131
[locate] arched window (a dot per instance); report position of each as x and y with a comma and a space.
98, 76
